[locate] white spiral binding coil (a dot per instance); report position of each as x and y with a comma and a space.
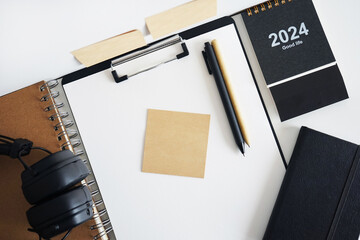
66, 130
58, 115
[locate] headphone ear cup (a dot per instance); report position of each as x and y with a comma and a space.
53, 175
62, 213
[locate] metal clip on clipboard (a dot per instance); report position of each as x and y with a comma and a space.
143, 52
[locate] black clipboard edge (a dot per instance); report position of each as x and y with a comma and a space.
259, 93
187, 34
207, 27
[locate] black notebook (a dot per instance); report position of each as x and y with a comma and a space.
294, 56
319, 197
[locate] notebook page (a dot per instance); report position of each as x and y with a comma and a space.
237, 194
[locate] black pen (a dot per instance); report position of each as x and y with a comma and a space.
214, 69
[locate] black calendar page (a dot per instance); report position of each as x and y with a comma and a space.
288, 39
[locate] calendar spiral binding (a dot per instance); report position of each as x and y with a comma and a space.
262, 7
67, 132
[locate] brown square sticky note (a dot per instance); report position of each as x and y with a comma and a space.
176, 143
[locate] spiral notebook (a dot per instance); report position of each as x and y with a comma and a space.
289, 52
32, 113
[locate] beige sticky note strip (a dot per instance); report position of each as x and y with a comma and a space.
109, 48
180, 17
176, 143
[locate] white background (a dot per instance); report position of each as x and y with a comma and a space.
36, 38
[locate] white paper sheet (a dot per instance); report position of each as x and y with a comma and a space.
236, 197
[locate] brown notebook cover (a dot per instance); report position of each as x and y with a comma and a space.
22, 115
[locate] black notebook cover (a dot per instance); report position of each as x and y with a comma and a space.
320, 194
289, 43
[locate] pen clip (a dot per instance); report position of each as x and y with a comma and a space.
206, 62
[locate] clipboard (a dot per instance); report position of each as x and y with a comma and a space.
226, 203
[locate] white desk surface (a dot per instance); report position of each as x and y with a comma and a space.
36, 39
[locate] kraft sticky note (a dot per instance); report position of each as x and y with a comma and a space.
176, 143
179, 17
109, 48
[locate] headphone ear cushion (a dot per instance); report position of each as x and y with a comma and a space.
53, 174
62, 213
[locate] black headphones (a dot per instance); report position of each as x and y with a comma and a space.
48, 184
